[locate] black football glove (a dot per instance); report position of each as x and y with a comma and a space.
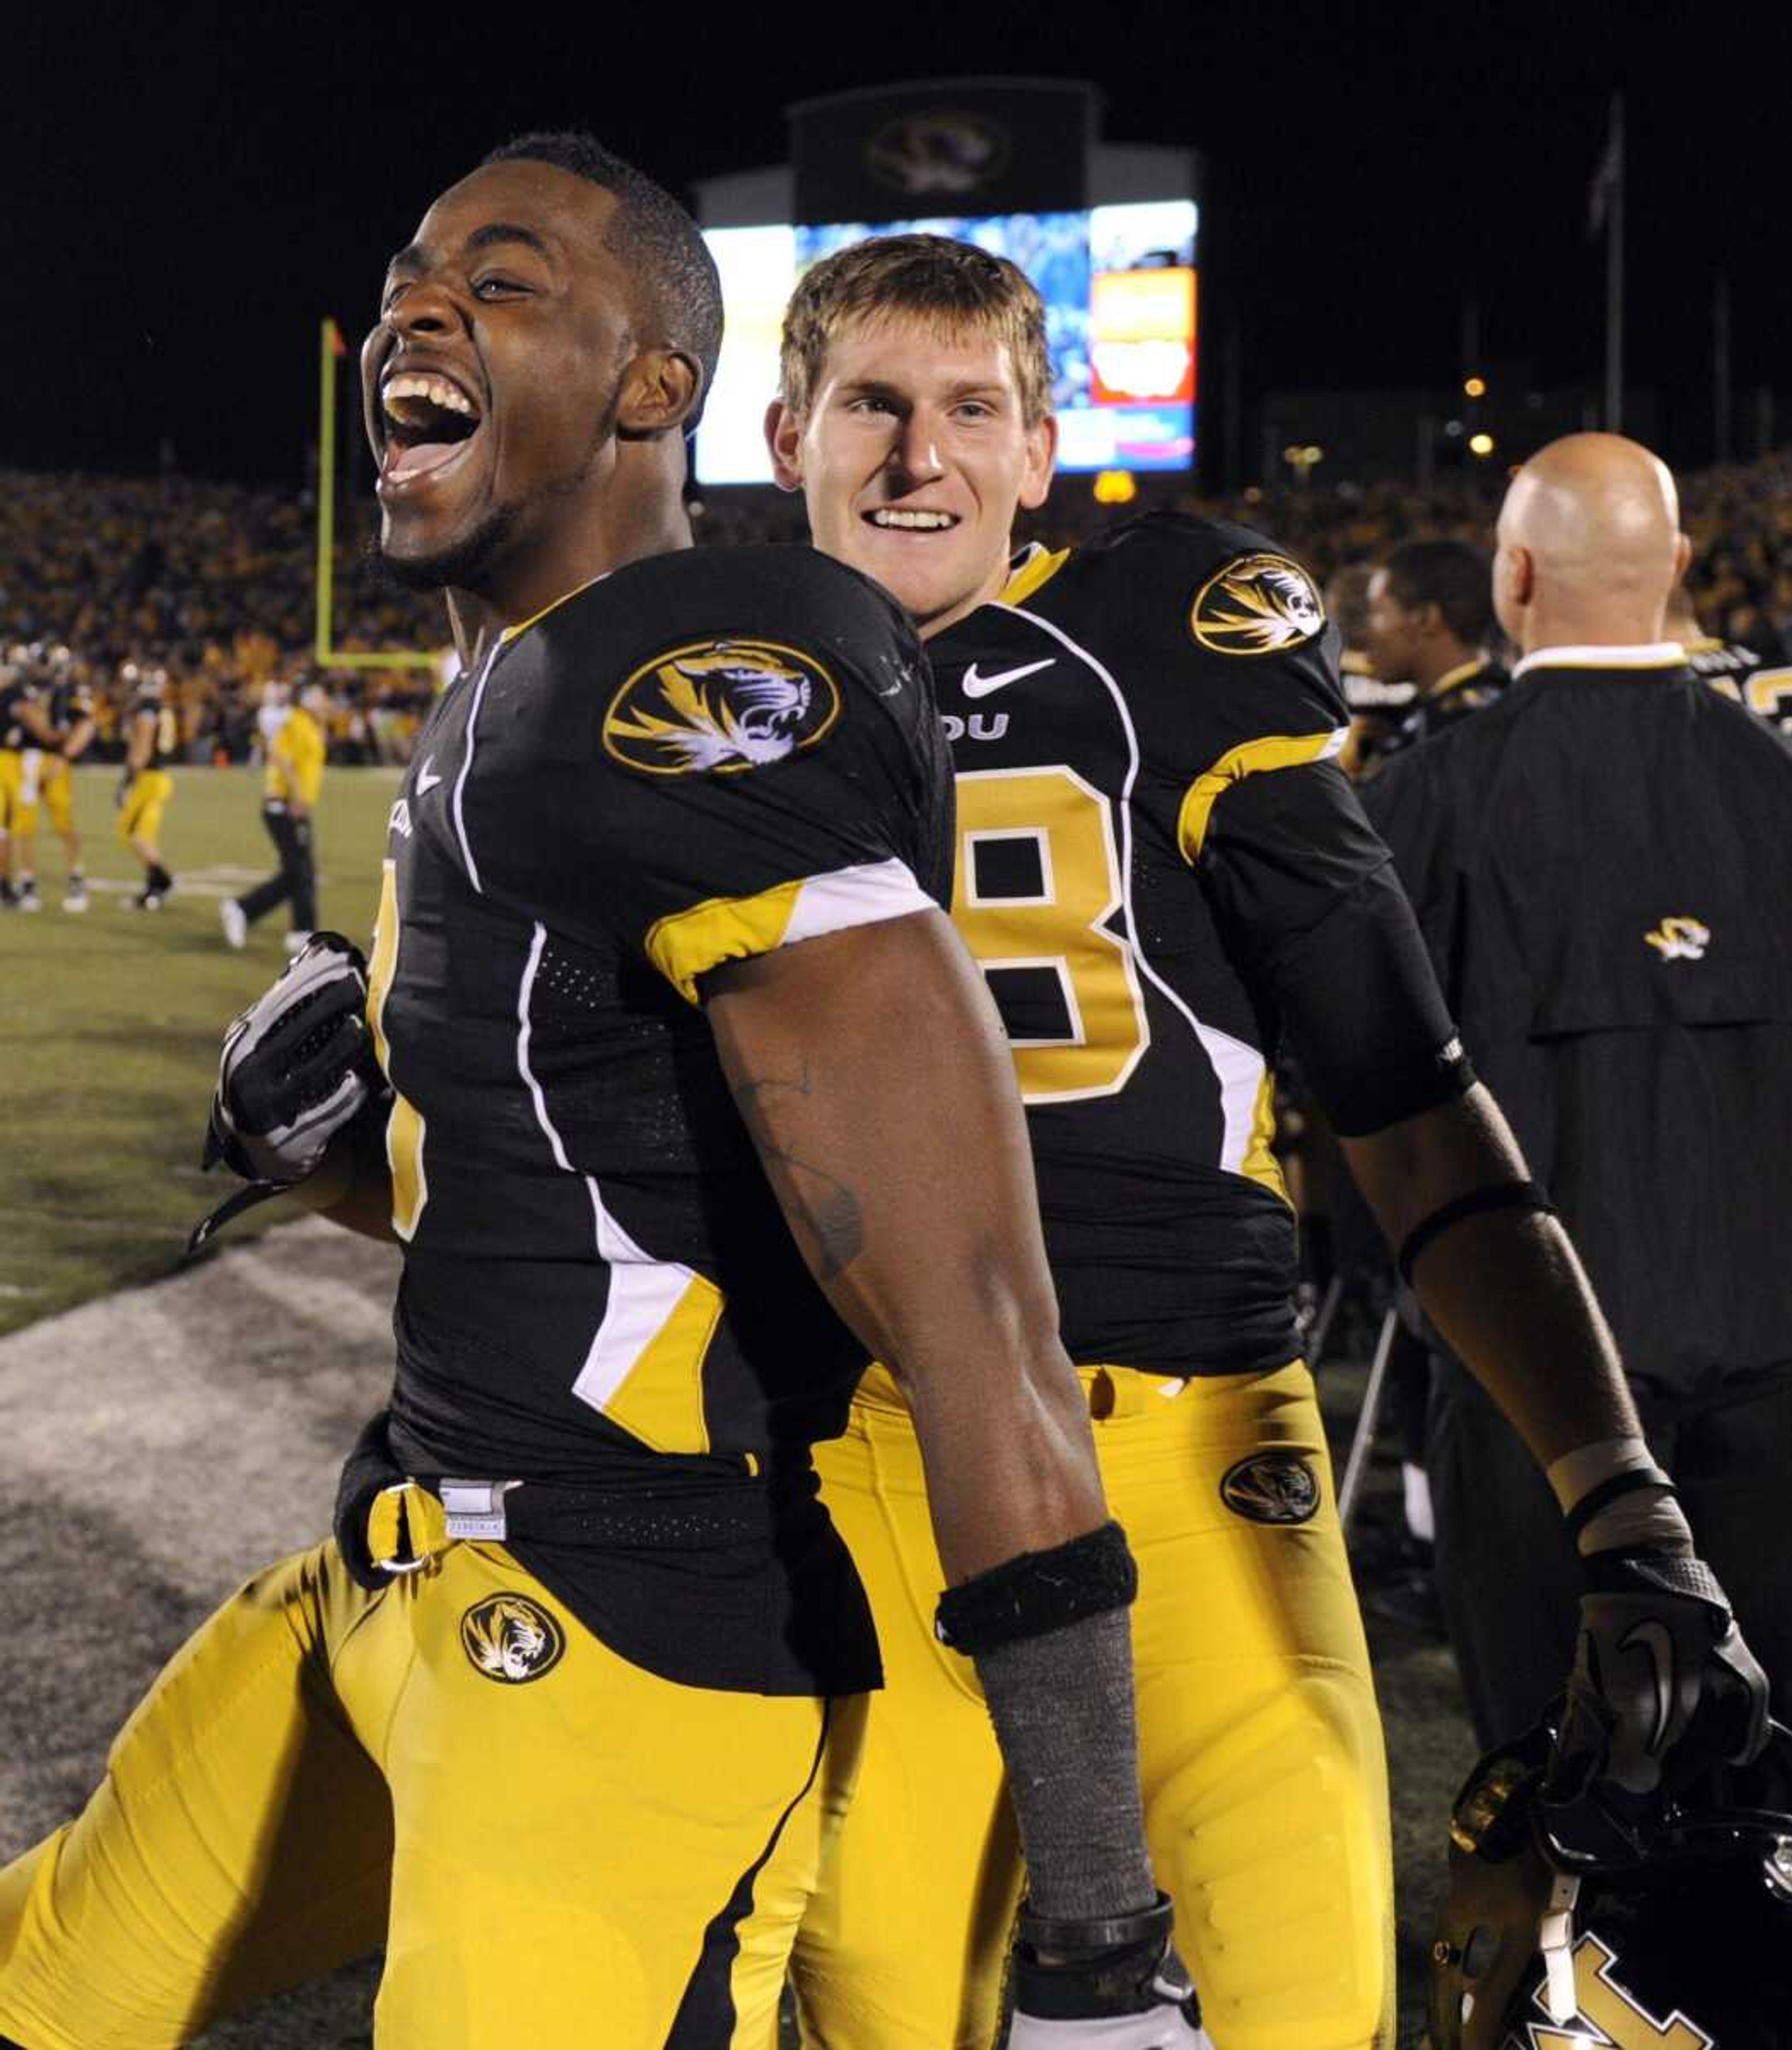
1663, 1689
1111, 1985
297, 1066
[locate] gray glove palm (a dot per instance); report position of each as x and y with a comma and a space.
296, 1067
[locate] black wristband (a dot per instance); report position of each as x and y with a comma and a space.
1116, 1932
1611, 1490
1037, 1592
1499, 1196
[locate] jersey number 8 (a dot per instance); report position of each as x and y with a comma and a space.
1038, 878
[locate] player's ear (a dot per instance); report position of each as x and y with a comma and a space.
660, 391
1041, 455
784, 438
1682, 555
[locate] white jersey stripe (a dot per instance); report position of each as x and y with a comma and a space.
643, 1292
1239, 1069
466, 770
862, 896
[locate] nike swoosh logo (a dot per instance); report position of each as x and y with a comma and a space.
980, 687
427, 777
1656, 1642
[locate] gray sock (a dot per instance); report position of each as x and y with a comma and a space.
1063, 1709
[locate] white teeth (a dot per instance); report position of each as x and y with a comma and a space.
894, 515
437, 390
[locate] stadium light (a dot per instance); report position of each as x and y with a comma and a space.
1474, 387
1114, 487
1482, 445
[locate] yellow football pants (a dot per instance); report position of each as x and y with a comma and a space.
53, 788
11, 780
577, 1852
1265, 1779
140, 814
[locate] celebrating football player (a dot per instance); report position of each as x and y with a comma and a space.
1162, 873
672, 1013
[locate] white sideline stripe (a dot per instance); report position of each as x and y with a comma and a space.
861, 896
466, 770
1238, 1069
643, 1292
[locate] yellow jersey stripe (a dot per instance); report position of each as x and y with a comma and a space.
685, 945
1039, 568
1270, 750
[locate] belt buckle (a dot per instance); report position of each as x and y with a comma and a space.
397, 1567
475, 1508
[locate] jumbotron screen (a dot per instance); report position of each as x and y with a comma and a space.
1119, 285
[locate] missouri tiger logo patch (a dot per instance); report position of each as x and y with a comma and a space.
717, 706
510, 1639
1257, 605
1680, 939
1272, 1487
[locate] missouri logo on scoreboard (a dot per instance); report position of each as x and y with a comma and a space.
512, 1639
1257, 604
717, 706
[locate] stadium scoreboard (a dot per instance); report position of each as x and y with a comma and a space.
1118, 284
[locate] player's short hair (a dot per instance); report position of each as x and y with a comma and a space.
652, 233
1454, 576
957, 288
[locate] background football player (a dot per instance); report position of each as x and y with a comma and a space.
661, 926
146, 789
292, 782
25, 732
1161, 869
66, 702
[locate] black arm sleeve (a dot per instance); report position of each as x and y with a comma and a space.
1314, 917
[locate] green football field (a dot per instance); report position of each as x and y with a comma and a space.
110, 1023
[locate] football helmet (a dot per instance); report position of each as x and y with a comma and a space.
1687, 1947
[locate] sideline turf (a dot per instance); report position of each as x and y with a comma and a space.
110, 1023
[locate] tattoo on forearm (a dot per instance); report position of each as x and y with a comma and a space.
819, 1201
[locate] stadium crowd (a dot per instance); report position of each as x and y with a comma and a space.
215, 582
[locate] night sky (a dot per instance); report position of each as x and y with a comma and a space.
185, 198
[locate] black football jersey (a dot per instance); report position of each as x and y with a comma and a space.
12, 694
68, 703
1456, 695
1128, 724
700, 758
1599, 866
165, 742
1740, 673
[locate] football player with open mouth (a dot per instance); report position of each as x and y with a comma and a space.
681, 1096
